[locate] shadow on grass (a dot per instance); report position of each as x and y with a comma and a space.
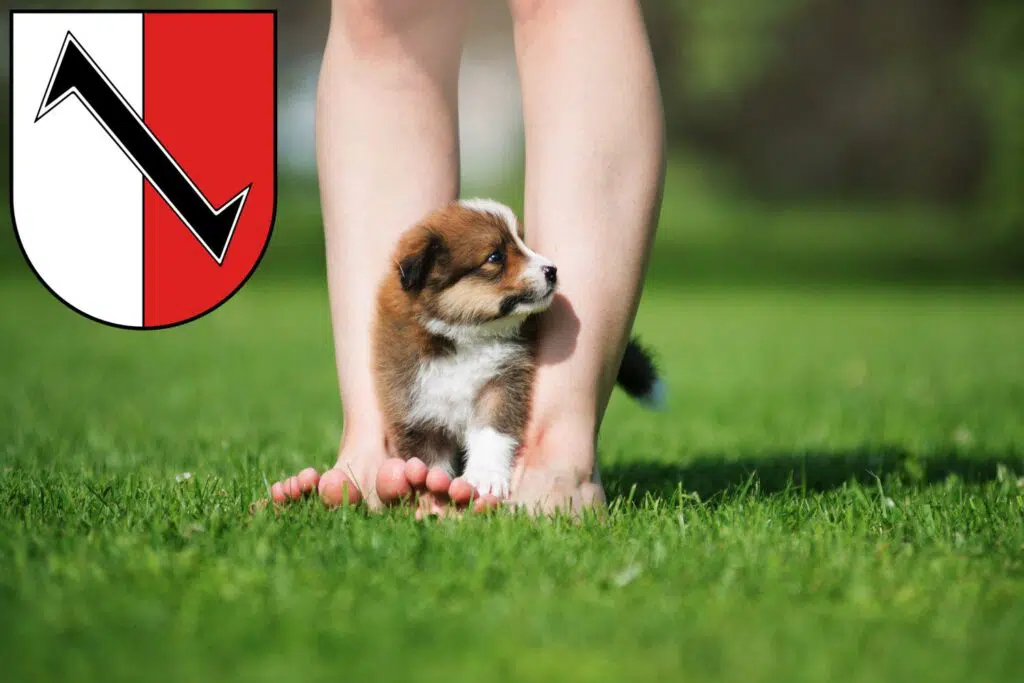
713, 477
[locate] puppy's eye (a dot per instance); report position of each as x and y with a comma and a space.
496, 257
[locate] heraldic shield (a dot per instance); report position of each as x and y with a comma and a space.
143, 157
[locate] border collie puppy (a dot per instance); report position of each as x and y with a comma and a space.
454, 342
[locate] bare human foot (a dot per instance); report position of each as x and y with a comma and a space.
351, 481
556, 473
433, 491
430, 491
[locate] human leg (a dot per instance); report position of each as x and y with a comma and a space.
387, 153
594, 175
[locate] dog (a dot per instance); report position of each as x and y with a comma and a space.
454, 342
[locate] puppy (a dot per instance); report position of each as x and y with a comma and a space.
455, 337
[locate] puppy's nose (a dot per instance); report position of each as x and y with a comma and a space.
550, 274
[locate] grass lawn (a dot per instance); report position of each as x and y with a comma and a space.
833, 496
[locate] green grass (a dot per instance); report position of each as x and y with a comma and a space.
834, 495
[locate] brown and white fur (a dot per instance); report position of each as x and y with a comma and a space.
454, 342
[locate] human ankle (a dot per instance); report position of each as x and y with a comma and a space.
561, 442
358, 443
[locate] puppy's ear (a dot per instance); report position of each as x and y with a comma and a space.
415, 266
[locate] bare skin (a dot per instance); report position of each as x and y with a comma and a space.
387, 154
594, 174
594, 170
430, 491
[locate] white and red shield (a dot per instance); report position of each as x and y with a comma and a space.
143, 157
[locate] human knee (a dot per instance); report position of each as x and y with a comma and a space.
373, 27
526, 11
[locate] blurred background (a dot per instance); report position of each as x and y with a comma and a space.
811, 140
834, 298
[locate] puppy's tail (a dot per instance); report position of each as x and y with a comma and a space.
638, 377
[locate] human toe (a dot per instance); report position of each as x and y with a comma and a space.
392, 481
337, 488
438, 481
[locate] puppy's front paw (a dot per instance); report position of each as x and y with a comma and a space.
489, 462
488, 482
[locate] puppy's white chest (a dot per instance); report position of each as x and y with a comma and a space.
446, 388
